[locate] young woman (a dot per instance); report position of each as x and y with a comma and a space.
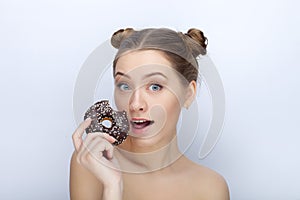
155, 73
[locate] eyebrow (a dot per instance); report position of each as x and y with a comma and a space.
146, 76
122, 74
155, 74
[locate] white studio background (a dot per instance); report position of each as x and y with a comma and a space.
254, 44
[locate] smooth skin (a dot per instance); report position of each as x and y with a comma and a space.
95, 161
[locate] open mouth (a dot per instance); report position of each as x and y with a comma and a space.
140, 124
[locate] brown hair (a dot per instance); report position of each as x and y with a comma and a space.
181, 49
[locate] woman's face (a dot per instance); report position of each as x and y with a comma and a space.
151, 92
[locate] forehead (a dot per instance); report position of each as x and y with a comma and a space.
137, 59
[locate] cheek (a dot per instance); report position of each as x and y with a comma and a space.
173, 110
166, 115
159, 114
168, 108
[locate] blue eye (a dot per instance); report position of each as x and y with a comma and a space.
123, 86
155, 87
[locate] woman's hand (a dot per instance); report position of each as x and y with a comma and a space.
95, 153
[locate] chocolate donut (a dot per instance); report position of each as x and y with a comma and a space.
100, 112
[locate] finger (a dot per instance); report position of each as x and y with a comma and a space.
90, 141
109, 138
110, 151
105, 149
96, 150
91, 136
77, 135
101, 148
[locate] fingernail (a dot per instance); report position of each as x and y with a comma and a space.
113, 139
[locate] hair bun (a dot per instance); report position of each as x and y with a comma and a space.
119, 36
197, 42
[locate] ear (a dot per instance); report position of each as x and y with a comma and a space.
190, 95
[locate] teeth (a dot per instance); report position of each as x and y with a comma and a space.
139, 121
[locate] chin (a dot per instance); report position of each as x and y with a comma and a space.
150, 142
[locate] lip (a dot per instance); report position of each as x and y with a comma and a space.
139, 131
138, 118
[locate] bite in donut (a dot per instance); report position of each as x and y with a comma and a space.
101, 112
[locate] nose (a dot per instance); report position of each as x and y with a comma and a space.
137, 102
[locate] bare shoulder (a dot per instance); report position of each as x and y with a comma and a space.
209, 184
83, 184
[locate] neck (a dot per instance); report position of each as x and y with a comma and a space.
142, 162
